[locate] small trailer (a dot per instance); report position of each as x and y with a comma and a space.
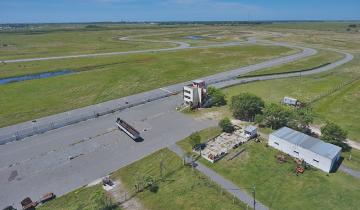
291, 102
128, 129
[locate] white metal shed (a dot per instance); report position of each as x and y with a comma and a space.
313, 151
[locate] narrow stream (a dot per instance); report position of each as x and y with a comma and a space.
21, 78
195, 37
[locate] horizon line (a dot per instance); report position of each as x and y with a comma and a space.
186, 21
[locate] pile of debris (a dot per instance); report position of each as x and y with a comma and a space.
219, 146
281, 158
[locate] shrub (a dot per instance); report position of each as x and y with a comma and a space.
226, 125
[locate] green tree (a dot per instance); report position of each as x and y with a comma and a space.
276, 116
301, 119
246, 105
195, 139
334, 134
217, 97
226, 125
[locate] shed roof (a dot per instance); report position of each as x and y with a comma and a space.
289, 98
198, 81
307, 142
250, 128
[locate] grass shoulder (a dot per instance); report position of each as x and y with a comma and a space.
180, 188
86, 198
323, 57
205, 135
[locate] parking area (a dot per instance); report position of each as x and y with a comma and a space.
70, 157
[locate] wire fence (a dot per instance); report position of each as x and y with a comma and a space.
201, 181
333, 90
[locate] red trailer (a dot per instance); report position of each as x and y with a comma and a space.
28, 204
47, 197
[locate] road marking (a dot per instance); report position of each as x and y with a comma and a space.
168, 91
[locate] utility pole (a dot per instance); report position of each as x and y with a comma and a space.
161, 166
300, 84
254, 196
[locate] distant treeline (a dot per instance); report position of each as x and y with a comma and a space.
38, 28
97, 24
231, 23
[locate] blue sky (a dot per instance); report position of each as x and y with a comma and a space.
12, 11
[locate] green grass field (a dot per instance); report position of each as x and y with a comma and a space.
318, 26
113, 77
181, 188
205, 134
278, 187
351, 159
207, 35
228, 57
46, 44
86, 198
323, 57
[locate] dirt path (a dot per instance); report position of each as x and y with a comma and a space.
352, 143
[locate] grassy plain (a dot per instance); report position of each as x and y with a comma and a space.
85, 198
330, 26
323, 57
181, 188
278, 187
205, 35
46, 44
113, 77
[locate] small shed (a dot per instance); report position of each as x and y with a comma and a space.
250, 131
290, 101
